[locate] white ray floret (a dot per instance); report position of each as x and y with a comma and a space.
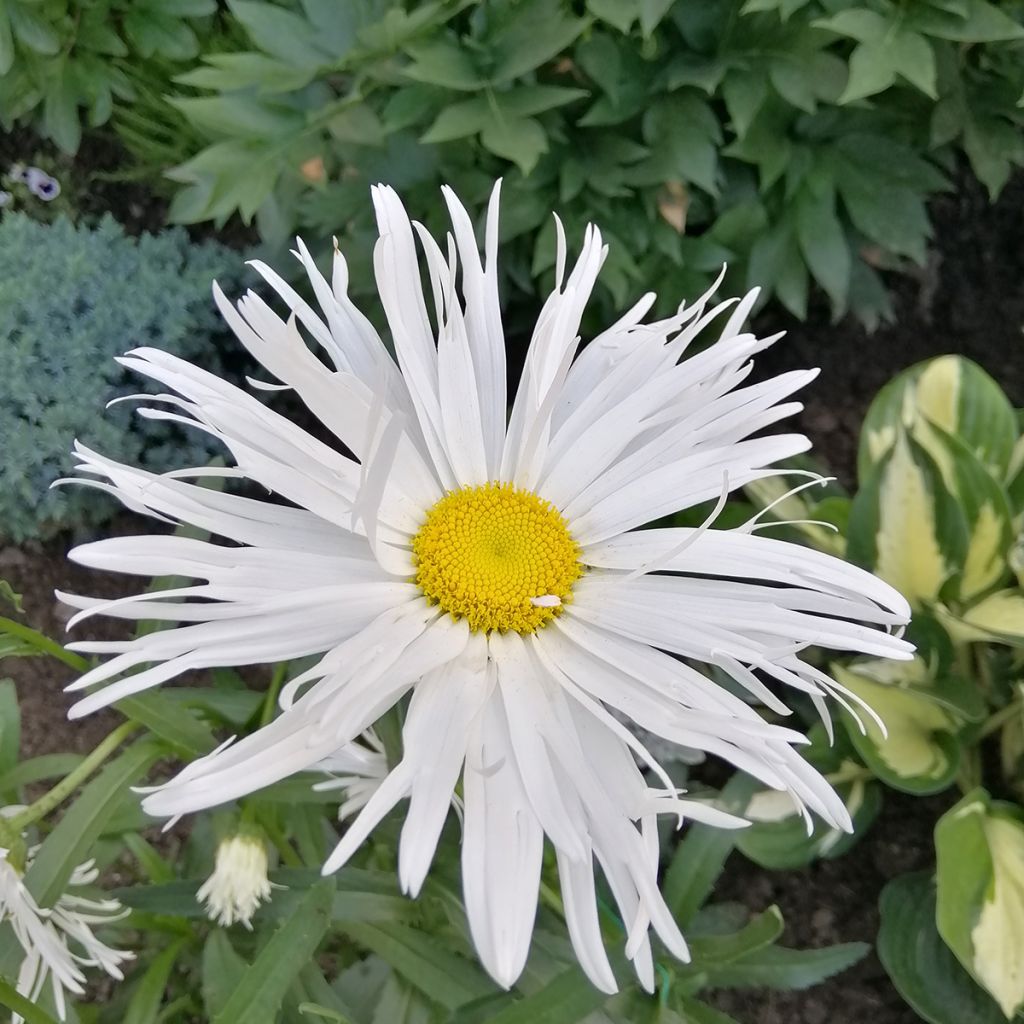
494, 571
58, 942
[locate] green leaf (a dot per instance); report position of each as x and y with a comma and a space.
998, 618
281, 33
245, 117
918, 752
713, 951
10, 730
537, 32
7, 593
519, 139
69, 843
258, 994
223, 969
744, 93
35, 769
984, 23
458, 120
701, 855
324, 1013
979, 847
952, 393
144, 1007
7, 55
823, 243
166, 718
778, 838
569, 997
31, 1013
442, 62
777, 967
920, 964
905, 524
439, 974
60, 112
32, 30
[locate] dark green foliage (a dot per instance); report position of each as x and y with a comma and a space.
71, 299
799, 140
63, 62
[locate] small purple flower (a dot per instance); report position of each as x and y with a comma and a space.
5, 198
41, 184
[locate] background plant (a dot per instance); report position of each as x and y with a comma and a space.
797, 140
939, 514
71, 299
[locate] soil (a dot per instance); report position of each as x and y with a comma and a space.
835, 901
970, 300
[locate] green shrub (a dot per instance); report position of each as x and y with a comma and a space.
797, 139
71, 299
62, 61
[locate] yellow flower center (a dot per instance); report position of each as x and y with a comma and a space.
497, 556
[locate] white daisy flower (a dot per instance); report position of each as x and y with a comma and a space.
58, 941
239, 882
493, 568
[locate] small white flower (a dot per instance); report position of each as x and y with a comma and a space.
358, 769
58, 941
239, 882
495, 567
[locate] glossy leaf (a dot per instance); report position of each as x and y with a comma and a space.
921, 965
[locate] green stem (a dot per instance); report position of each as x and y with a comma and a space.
270, 701
288, 855
1000, 718
56, 796
43, 644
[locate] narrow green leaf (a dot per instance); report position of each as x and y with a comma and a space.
10, 730
46, 766
566, 999
701, 855
31, 1013
144, 1007
439, 974
69, 843
223, 970
258, 994
777, 967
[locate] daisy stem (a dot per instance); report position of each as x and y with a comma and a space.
270, 701
43, 644
56, 796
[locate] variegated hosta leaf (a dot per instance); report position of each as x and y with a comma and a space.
906, 526
918, 752
985, 506
777, 838
980, 912
997, 618
952, 393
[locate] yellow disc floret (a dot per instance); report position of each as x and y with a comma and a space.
497, 556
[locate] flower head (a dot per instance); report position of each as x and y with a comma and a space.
57, 941
494, 567
239, 882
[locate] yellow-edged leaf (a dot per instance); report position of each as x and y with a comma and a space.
1000, 616
998, 937
938, 392
916, 751
907, 550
